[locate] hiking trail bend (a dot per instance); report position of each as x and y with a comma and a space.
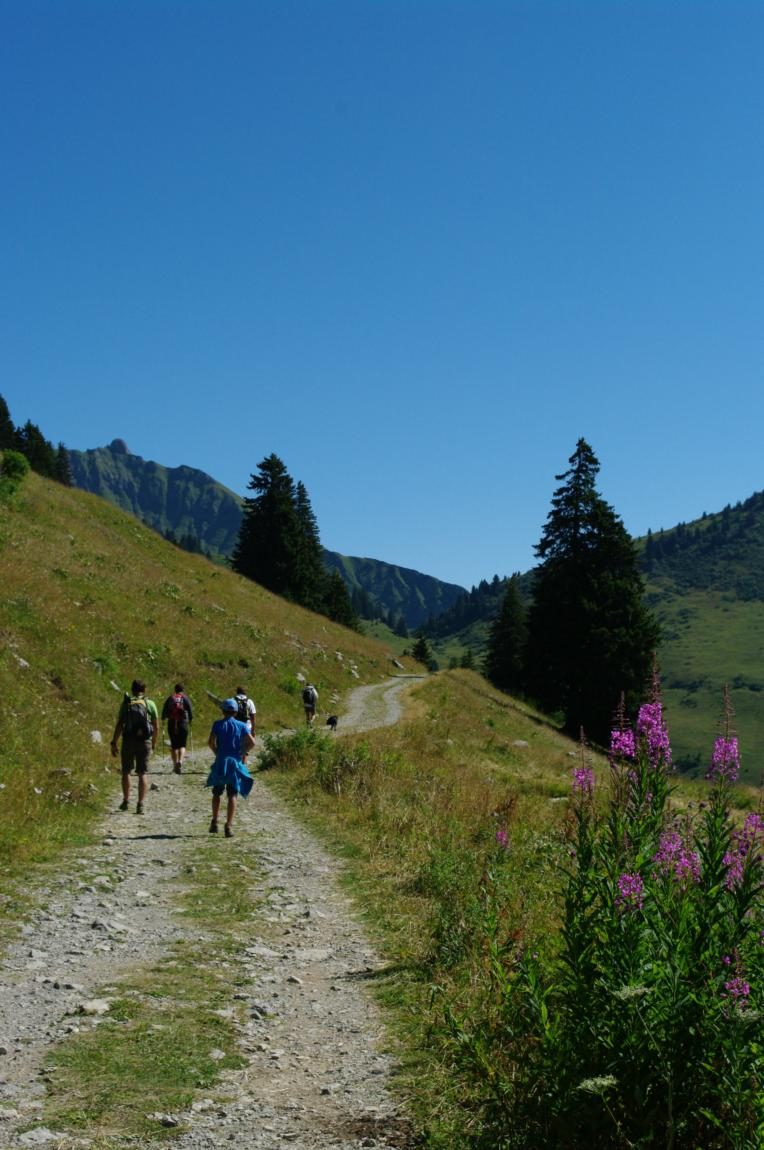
316, 1075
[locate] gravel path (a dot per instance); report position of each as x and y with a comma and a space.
317, 1076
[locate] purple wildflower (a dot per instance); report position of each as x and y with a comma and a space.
583, 781
651, 728
631, 892
673, 858
502, 838
737, 988
744, 842
725, 759
622, 744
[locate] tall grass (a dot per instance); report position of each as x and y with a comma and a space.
479, 867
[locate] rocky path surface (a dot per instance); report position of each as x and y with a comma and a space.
316, 1076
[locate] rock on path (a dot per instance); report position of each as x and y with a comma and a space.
317, 1077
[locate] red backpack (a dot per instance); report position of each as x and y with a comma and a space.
176, 712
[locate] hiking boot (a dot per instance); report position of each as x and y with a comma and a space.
139, 809
213, 827
176, 770
123, 805
228, 831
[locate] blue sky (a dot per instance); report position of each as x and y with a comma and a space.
415, 248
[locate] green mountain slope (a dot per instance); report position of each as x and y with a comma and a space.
705, 581
90, 599
399, 590
202, 514
181, 500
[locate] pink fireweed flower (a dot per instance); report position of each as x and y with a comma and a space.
652, 729
737, 988
622, 744
583, 781
673, 858
745, 842
502, 838
631, 892
725, 759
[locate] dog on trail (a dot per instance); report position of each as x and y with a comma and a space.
332, 722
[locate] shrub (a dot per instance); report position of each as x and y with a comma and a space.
13, 469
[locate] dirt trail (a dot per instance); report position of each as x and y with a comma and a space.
317, 1076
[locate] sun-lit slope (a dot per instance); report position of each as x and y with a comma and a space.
90, 598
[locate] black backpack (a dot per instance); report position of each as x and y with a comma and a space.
242, 714
308, 696
137, 724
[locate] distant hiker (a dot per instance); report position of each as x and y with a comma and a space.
246, 712
230, 741
138, 724
309, 701
178, 714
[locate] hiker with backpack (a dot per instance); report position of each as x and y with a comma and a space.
230, 740
309, 702
138, 724
178, 714
246, 712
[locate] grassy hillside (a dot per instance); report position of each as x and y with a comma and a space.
90, 599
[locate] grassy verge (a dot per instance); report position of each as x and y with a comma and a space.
456, 828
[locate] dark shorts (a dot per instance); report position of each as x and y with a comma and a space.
135, 757
229, 790
178, 732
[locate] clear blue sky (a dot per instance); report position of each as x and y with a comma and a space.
414, 247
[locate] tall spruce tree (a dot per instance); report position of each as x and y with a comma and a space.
268, 537
63, 466
506, 642
590, 635
309, 580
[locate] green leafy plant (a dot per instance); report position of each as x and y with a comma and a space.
14, 468
640, 1028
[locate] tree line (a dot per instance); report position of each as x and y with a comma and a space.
39, 452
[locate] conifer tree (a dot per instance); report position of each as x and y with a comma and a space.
422, 652
506, 642
39, 451
309, 579
63, 468
590, 636
269, 531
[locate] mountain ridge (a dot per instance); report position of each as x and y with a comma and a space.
193, 509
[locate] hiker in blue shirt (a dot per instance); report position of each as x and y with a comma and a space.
230, 740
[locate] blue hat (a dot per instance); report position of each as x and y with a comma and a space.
229, 705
